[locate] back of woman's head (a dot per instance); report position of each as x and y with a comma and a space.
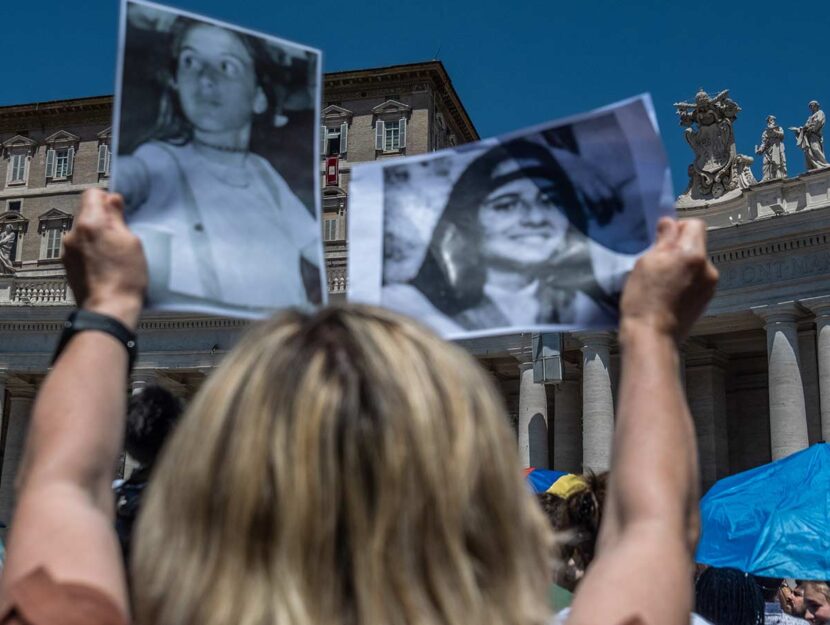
344, 467
727, 596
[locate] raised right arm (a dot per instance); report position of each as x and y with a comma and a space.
643, 571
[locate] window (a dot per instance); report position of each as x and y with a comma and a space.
53, 243
17, 168
334, 140
59, 163
390, 136
14, 205
51, 228
104, 159
330, 228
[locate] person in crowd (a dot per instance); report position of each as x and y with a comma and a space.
151, 415
576, 520
179, 185
771, 589
791, 600
512, 247
727, 596
346, 466
817, 602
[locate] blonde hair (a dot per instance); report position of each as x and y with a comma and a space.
821, 587
346, 467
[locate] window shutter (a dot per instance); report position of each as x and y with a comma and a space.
324, 135
402, 129
70, 160
344, 138
50, 163
109, 160
379, 135
102, 158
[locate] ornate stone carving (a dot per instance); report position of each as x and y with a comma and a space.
718, 172
7, 239
772, 149
809, 138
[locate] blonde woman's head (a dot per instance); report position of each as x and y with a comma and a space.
346, 467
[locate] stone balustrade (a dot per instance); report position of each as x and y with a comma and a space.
46, 291
336, 279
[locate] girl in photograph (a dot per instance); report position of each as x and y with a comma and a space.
511, 247
218, 223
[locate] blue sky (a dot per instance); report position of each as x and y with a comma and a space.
514, 64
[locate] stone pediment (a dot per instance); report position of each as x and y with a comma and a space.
54, 213
15, 219
62, 137
334, 113
105, 134
390, 107
19, 141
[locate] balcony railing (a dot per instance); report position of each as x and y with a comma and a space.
52, 291
336, 279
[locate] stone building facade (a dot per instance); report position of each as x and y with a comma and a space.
756, 369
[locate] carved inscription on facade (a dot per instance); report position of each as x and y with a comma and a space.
774, 270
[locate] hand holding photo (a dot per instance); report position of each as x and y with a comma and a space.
535, 231
215, 154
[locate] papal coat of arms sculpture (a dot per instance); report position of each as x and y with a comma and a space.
718, 172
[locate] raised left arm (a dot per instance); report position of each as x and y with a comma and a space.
63, 520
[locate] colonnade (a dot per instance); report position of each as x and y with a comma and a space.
588, 423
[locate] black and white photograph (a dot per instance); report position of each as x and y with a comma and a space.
215, 143
536, 230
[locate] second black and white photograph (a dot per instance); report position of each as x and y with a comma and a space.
534, 230
214, 153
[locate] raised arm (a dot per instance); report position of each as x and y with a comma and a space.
64, 515
643, 570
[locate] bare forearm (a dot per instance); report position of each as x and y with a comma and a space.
655, 456
78, 418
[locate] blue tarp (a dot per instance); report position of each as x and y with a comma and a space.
773, 520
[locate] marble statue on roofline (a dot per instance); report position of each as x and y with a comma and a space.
809, 138
717, 172
7, 239
772, 149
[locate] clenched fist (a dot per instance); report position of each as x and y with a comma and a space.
673, 282
104, 261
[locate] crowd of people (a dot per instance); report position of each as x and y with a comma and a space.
349, 466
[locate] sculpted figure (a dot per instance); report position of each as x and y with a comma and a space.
809, 137
6, 248
717, 169
772, 148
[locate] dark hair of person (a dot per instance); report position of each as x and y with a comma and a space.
151, 416
769, 587
172, 125
728, 596
452, 275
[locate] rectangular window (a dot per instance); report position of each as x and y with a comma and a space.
104, 159
17, 168
53, 243
330, 229
392, 141
15, 205
61, 163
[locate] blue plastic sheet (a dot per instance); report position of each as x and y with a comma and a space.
773, 520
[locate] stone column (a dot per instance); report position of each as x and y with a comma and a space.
706, 392
597, 400
533, 420
787, 412
567, 427
821, 307
21, 398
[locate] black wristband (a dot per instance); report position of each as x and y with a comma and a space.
81, 320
